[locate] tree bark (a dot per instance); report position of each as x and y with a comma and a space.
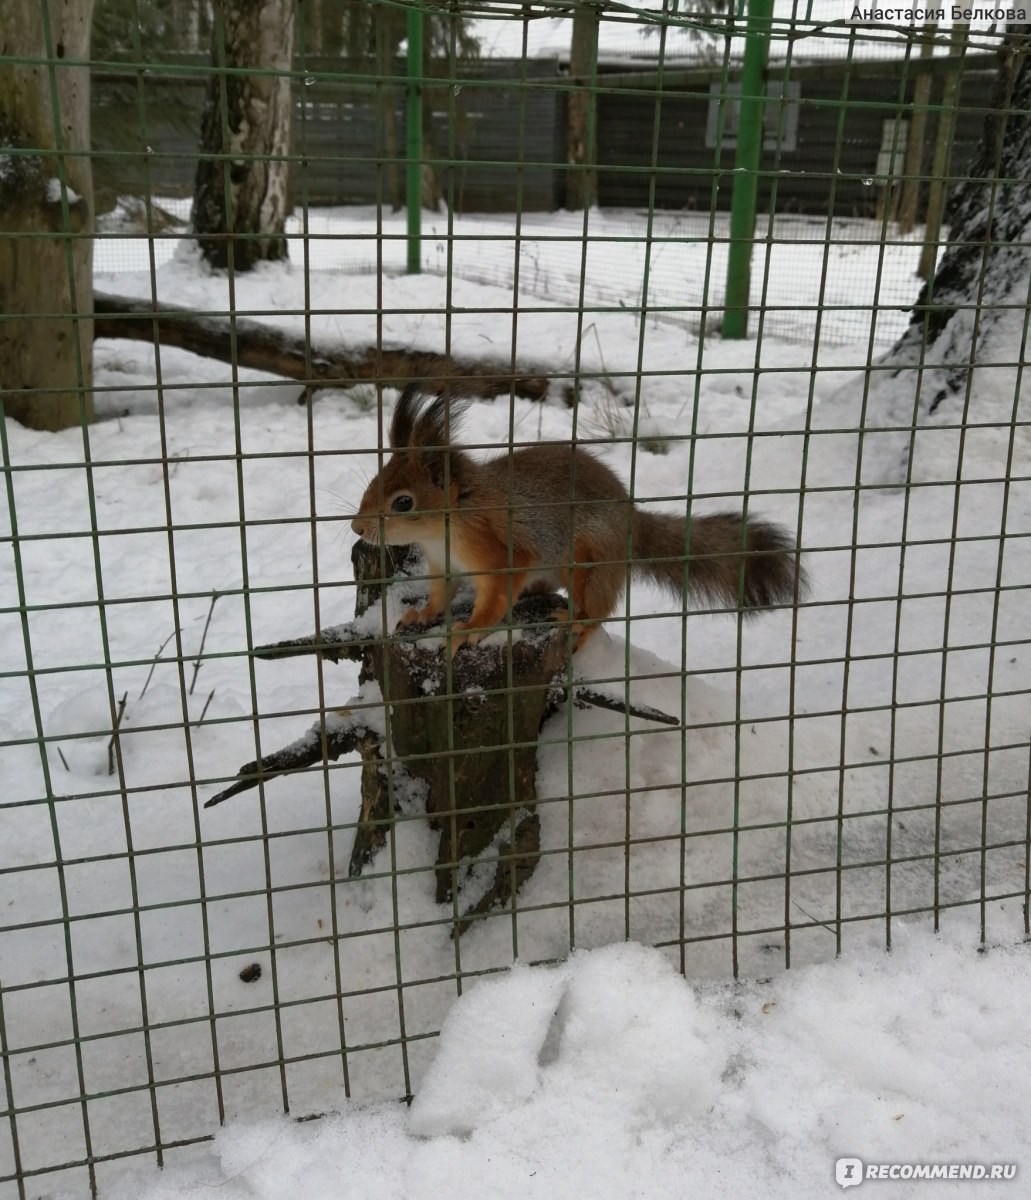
240, 201
972, 310
989, 215
46, 213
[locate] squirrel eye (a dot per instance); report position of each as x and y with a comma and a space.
403, 503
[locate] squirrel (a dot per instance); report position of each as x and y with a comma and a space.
551, 516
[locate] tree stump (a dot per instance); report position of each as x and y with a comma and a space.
468, 727
463, 730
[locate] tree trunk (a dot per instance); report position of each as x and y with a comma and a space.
240, 196
186, 21
972, 311
581, 178
986, 261
430, 194
388, 31
944, 135
909, 202
46, 214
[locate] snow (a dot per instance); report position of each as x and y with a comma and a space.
850, 294
55, 189
901, 729
609, 1075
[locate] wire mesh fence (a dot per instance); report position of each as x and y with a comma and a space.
742, 793
835, 160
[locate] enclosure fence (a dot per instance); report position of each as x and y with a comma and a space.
768, 262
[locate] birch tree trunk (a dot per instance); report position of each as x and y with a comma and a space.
46, 213
240, 201
982, 278
970, 316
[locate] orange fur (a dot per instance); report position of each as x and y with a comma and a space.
499, 577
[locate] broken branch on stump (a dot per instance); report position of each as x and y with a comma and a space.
339, 643
345, 642
330, 739
250, 343
583, 697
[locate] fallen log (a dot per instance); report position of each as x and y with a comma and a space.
251, 343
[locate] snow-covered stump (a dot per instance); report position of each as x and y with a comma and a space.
465, 727
468, 727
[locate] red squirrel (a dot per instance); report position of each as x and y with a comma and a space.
550, 516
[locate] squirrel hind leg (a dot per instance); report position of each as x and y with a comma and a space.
581, 631
495, 594
594, 592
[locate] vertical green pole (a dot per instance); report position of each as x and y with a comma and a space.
413, 141
747, 159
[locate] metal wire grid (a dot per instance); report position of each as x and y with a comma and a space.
73, 1086
482, 249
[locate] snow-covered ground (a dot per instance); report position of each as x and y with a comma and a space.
609, 1076
838, 281
890, 728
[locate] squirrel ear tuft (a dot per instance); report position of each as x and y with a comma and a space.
437, 425
431, 427
429, 430
406, 412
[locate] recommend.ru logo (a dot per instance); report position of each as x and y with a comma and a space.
850, 1172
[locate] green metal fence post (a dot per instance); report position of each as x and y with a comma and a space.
747, 158
413, 141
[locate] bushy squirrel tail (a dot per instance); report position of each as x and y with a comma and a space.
731, 562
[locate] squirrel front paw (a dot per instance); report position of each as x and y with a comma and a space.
464, 633
427, 615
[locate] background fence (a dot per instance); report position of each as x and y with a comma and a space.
835, 149
514, 112
834, 768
